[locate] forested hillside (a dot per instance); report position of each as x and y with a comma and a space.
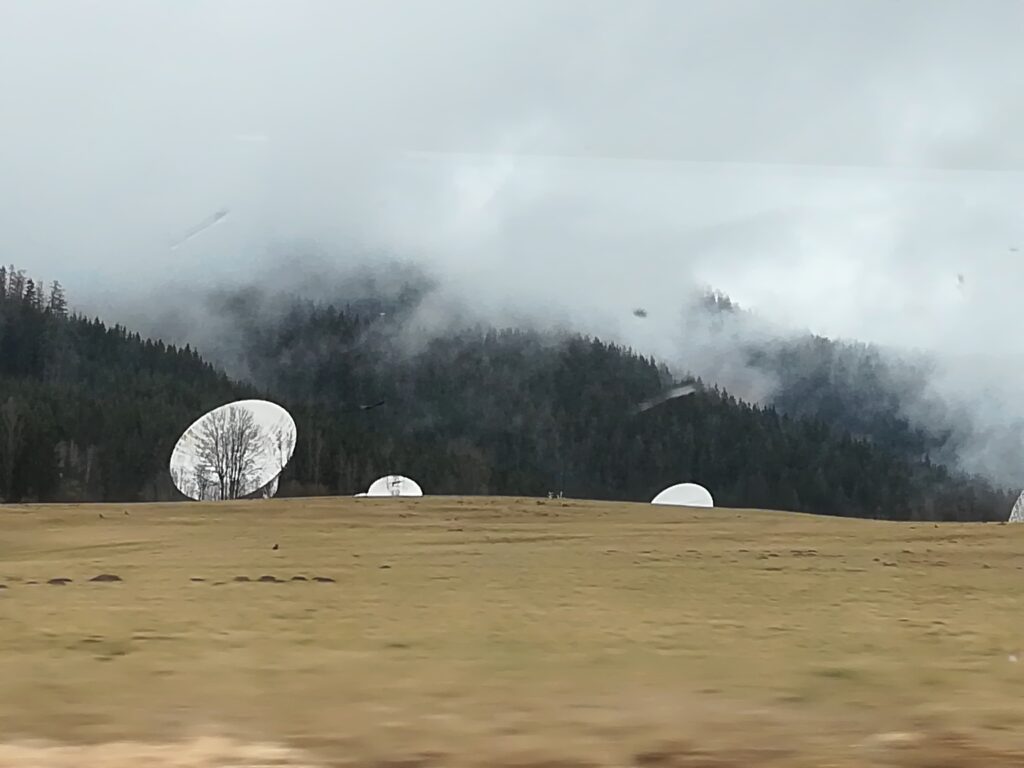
515, 411
872, 394
851, 386
91, 413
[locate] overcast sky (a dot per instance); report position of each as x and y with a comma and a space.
830, 164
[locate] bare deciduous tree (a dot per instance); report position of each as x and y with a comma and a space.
196, 482
205, 486
280, 446
230, 447
283, 445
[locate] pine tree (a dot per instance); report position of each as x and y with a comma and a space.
30, 293
15, 283
58, 304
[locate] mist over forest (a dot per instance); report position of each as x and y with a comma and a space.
515, 184
950, 410
522, 383
91, 412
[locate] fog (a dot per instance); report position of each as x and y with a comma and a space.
852, 168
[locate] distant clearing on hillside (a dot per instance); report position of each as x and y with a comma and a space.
482, 631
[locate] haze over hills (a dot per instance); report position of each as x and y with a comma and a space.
91, 413
923, 405
590, 247
560, 165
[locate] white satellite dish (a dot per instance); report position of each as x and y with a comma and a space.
1017, 513
394, 485
235, 451
685, 495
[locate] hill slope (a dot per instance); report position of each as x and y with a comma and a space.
514, 412
92, 412
87, 412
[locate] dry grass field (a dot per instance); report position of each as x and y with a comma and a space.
511, 632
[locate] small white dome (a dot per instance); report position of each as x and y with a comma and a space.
394, 485
685, 495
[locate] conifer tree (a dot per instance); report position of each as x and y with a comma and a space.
58, 304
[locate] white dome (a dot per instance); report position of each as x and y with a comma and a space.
394, 485
685, 495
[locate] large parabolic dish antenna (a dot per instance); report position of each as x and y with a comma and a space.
234, 451
685, 495
394, 485
1017, 513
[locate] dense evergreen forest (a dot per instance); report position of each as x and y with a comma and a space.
89, 412
851, 386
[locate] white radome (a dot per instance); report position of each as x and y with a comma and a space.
235, 451
685, 495
394, 485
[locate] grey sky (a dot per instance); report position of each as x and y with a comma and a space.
832, 165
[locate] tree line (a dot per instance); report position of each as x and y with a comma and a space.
90, 412
514, 411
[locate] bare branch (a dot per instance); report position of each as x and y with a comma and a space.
230, 449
